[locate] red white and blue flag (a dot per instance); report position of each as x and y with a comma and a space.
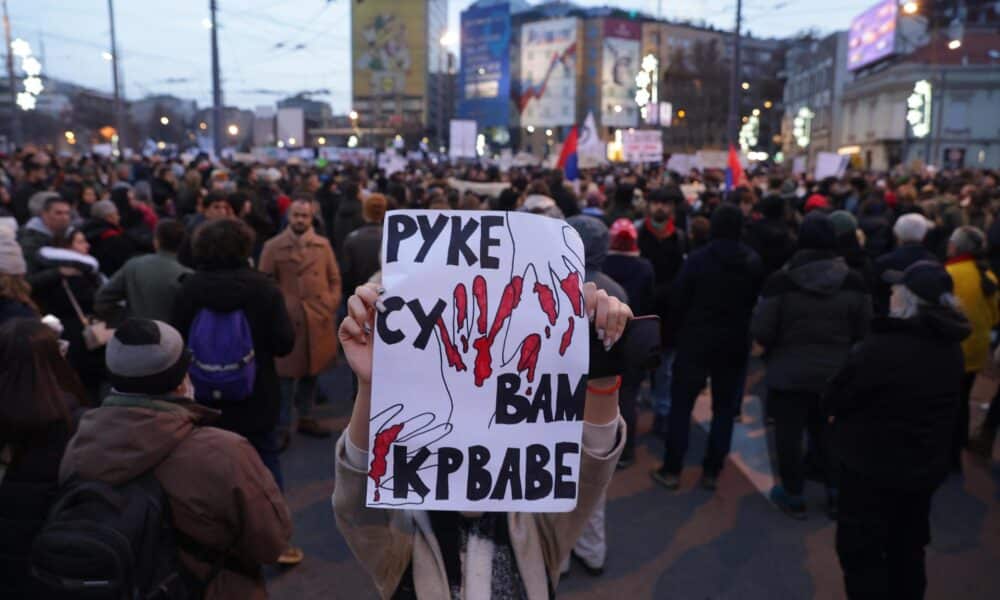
568, 158
735, 176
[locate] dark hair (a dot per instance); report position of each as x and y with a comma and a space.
212, 198
237, 200
538, 187
223, 244
668, 194
66, 240
53, 200
35, 380
170, 235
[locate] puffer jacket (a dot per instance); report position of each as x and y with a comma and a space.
981, 310
809, 315
220, 494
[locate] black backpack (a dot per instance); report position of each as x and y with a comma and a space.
112, 542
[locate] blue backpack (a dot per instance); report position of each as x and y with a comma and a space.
223, 367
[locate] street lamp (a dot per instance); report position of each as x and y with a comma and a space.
233, 130
164, 120
910, 8
746, 85
530, 129
321, 140
548, 133
291, 141
107, 56
353, 115
203, 126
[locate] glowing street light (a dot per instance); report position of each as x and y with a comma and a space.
910, 8
321, 140
756, 112
26, 101
33, 85
203, 126
449, 38
281, 144
353, 115
548, 133
233, 129
681, 113
954, 44
164, 120
20, 48
768, 104
206, 23
31, 66
352, 142
745, 85
530, 129
107, 56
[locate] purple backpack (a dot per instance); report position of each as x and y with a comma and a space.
223, 368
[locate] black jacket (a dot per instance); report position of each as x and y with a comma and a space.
347, 220
897, 260
773, 240
28, 490
635, 275
226, 290
810, 314
111, 245
896, 399
714, 296
359, 258
667, 257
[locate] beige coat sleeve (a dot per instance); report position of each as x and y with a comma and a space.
380, 543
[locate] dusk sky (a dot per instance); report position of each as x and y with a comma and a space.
273, 48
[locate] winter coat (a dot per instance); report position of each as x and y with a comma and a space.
982, 312
896, 400
109, 244
878, 235
387, 542
307, 273
28, 490
666, 253
32, 238
773, 240
714, 296
227, 290
347, 220
148, 285
220, 494
360, 255
897, 260
808, 317
12, 309
635, 275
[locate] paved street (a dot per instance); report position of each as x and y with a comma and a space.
688, 545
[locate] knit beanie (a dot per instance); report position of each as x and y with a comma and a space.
146, 357
624, 237
817, 233
11, 256
843, 222
727, 222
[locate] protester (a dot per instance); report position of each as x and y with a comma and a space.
528, 549
976, 290
771, 237
15, 292
349, 215
305, 269
32, 182
215, 207
40, 394
894, 405
359, 257
714, 296
225, 509
146, 286
909, 230
110, 244
809, 315
52, 224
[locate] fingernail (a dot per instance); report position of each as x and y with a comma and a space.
600, 334
379, 306
368, 329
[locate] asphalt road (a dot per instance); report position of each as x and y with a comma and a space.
692, 544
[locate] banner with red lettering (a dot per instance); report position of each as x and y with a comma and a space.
481, 355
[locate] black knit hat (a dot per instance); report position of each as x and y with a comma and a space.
817, 232
146, 357
727, 222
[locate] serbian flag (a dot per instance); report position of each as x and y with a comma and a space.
735, 176
568, 159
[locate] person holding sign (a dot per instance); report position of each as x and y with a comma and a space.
498, 442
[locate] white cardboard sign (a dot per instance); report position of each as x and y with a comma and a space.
480, 362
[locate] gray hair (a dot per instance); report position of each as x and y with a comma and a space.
103, 209
910, 303
968, 240
143, 191
911, 228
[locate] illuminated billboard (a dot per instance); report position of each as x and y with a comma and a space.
620, 63
484, 89
389, 48
549, 72
873, 35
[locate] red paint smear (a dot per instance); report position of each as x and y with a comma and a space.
508, 302
571, 286
454, 358
483, 368
547, 300
529, 355
567, 337
383, 440
461, 305
479, 292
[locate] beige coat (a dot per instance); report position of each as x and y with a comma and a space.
217, 486
307, 273
386, 541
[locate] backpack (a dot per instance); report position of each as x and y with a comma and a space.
223, 367
111, 542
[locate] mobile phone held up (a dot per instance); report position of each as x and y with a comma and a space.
638, 349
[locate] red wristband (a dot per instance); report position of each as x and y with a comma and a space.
608, 390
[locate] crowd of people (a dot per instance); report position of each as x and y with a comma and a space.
171, 317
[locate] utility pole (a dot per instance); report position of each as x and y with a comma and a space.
119, 113
15, 114
732, 126
216, 86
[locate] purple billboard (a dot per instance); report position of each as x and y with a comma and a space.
873, 35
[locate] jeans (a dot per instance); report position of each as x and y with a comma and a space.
661, 384
266, 445
794, 413
689, 379
881, 535
300, 393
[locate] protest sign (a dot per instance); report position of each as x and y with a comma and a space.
462, 139
642, 145
829, 164
480, 363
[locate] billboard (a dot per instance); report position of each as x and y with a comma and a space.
549, 64
484, 88
872, 36
389, 48
619, 66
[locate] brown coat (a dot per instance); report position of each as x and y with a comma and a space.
307, 273
210, 476
385, 542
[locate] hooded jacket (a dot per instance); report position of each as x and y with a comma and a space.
226, 290
809, 315
896, 400
220, 494
897, 260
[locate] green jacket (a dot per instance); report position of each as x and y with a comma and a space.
147, 285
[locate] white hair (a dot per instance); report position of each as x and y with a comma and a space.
911, 228
908, 304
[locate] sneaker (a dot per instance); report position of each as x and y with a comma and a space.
626, 460
710, 481
312, 427
291, 556
671, 481
589, 568
793, 506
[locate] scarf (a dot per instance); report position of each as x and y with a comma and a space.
663, 231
